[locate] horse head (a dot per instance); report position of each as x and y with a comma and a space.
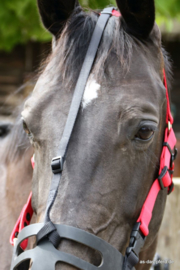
113, 156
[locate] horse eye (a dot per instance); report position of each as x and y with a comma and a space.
145, 133
26, 129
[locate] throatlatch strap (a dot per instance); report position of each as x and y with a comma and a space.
57, 163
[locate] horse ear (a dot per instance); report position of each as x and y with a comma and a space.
138, 16
54, 13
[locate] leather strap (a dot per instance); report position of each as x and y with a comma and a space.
77, 98
164, 179
82, 80
73, 112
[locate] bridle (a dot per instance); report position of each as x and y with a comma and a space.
48, 235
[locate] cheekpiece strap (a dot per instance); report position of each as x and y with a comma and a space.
57, 162
166, 169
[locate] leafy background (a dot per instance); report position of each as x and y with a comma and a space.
19, 19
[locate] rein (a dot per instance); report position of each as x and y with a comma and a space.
48, 235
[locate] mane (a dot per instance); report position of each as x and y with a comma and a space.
116, 45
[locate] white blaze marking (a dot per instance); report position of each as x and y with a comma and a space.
91, 92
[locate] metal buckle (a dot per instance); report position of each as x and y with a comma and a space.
169, 125
57, 164
160, 177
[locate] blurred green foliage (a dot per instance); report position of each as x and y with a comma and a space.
166, 11
19, 22
19, 19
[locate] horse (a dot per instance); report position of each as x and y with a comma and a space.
113, 156
15, 179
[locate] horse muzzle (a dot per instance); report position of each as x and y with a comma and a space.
45, 256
